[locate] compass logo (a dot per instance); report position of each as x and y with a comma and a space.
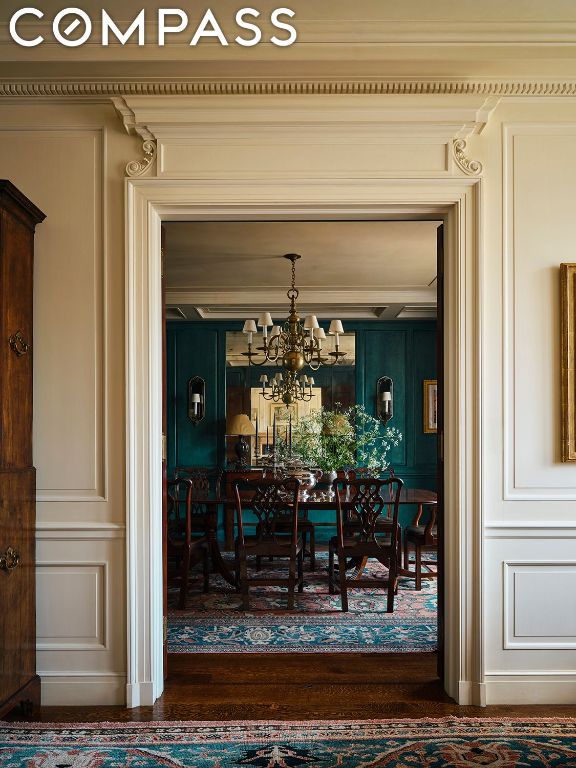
73, 27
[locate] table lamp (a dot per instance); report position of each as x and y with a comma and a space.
240, 425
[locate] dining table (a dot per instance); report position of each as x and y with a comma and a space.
315, 501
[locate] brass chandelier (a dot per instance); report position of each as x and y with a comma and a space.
293, 345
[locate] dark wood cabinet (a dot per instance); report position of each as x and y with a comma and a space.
19, 684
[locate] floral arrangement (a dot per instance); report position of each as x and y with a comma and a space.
343, 438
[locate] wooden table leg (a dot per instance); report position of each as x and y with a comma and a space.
228, 527
218, 563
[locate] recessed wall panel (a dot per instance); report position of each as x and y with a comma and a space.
61, 170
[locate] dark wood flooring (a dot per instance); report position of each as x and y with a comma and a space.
299, 687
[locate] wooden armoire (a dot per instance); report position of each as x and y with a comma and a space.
19, 683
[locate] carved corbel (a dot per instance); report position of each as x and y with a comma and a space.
470, 167
139, 167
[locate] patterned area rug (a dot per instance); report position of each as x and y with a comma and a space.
442, 743
214, 623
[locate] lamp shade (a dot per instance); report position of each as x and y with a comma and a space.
275, 331
320, 333
310, 322
265, 320
335, 327
249, 327
240, 425
195, 398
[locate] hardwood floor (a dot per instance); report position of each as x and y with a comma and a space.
299, 687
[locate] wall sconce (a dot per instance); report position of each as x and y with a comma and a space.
385, 399
196, 399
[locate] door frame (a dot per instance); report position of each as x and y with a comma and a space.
456, 201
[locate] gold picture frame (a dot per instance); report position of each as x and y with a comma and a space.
430, 401
568, 344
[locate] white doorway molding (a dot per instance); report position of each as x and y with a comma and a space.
457, 201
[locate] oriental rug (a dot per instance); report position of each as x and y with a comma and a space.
427, 743
214, 623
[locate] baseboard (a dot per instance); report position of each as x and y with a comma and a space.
76, 690
530, 689
471, 694
140, 695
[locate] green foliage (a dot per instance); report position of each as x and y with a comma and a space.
342, 439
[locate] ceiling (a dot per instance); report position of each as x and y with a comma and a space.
371, 270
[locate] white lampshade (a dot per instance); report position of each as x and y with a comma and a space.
310, 322
275, 331
263, 379
335, 327
386, 397
304, 380
311, 381
320, 333
195, 398
278, 377
265, 320
249, 327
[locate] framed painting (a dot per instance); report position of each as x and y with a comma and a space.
430, 400
567, 345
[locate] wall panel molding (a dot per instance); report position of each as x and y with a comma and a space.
79, 531
528, 530
92, 577
95, 167
524, 583
513, 490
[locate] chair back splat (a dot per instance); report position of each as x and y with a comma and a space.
274, 503
369, 505
206, 481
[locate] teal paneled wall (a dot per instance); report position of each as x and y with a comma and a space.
194, 350
405, 351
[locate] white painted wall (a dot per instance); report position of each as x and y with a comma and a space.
69, 159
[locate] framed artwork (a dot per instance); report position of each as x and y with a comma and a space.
568, 361
430, 400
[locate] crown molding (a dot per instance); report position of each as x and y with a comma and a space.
246, 297
108, 89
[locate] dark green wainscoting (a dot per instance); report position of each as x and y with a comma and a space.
405, 351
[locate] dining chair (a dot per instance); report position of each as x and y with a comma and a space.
183, 543
306, 527
422, 536
274, 503
367, 527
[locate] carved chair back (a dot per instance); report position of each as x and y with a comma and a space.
206, 481
275, 506
371, 505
